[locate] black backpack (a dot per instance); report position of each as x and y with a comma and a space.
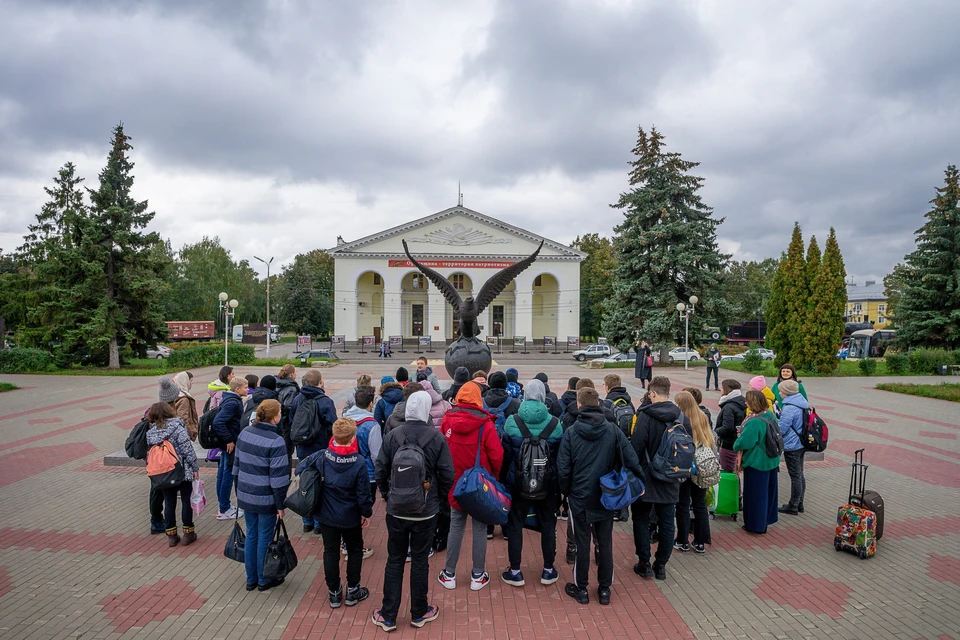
533, 462
623, 413
306, 427
408, 475
773, 441
305, 499
136, 444
206, 435
813, 433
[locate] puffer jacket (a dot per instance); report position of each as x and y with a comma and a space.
346, 493
461, 427
733, 410
439, 407
215, 390
391, 394
537, 418
176, 432
791, 421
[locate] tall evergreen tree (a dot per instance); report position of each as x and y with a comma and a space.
893, 285
786, 310
665, 249
928, 313
807, 353
596, 280
828, 296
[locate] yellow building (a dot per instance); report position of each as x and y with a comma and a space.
867, 303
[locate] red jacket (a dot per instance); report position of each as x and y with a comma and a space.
461, 427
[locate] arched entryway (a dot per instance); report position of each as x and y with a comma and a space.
546, 302
370, 304
414, 304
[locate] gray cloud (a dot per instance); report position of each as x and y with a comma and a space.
351, 117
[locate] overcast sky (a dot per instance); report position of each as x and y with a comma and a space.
279, 125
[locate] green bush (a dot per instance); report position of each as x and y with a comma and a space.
868, 366
209, 355
21, 360
929, 360
897, 364
752, 360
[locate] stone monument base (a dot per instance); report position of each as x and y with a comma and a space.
469, 353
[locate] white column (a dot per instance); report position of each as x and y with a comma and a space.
523, 314
392, 314
436, 317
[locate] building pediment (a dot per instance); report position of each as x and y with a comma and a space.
455, 232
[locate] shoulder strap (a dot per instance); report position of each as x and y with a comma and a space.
522, 426
480, 443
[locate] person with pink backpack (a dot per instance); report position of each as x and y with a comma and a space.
167, 429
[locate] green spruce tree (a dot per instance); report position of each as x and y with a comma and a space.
928, 313
665, 248
786, 310
828, 296
807, 353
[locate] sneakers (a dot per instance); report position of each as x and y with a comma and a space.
446, 580
786, 508
643, 570
367, 552
356, 595
513, 579
479, 582
571, 555
683, 547
564, 513
603, 594
383, 623
659, 571
336, 598
433, 612
229, 514
699, 549
578, 594
549, 576
189, 537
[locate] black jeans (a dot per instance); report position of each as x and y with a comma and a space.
416, 535
184, 489
641, 529
156, 509
714, 371
546, 511
332, 537
798, 484
603, 533
689, 492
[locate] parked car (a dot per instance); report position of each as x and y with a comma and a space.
766, 354
593, 351
683, 353
734, 358
159, 353
315, 354
621, 357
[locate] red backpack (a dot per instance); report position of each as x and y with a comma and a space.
813, 434
164, 466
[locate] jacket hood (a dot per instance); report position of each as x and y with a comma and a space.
469, 395
735, 396
569, 396
392, 392
535, 390
496, 397
418, 406
286, 382
312, 392
216, 385
434, 396
357, 414
262, 393
797, 400
346, 449
465, 420
533, 412
591, 423
665, 412
618, 392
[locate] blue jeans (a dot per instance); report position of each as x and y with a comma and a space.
260, 528
304, 451
225, 481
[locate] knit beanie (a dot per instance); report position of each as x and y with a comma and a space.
402, 375
421, 376
169, 392
418, 406
513, 375
497, 380
789, 388
758, 383
269, 382
535, 391
461, 375
386, 379
434, 382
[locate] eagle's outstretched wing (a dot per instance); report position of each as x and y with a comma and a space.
445, 286
492, 287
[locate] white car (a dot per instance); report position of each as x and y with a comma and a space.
683, 353
621, 357
766, 354
593, 351
159, 353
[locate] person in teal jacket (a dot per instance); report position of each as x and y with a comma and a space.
760, 471
787, 372
536, 417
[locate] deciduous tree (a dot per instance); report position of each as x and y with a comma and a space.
596, 280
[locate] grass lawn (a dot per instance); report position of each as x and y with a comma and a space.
942, 391
6, 386
847, 369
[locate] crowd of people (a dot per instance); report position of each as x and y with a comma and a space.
411, 441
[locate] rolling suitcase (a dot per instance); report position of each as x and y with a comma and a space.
728, 495
857, 526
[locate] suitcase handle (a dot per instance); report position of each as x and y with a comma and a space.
858, 481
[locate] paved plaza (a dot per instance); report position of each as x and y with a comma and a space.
77, 560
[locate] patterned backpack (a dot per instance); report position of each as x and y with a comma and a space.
707, 467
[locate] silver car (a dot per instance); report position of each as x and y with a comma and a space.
159, 353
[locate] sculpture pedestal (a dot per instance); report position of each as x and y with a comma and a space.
469, 353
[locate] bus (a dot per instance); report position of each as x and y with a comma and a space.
870, 343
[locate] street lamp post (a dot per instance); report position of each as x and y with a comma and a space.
268, 263
228, 309
685, 312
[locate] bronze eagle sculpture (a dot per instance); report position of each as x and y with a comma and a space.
470, 308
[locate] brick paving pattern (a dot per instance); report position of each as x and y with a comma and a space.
77, 561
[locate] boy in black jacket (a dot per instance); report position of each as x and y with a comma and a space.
588, 450
345, 508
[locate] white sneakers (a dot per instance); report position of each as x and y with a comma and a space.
448, 581
476, 583
230, 514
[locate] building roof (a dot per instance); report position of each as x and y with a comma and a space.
864, 293
352, 249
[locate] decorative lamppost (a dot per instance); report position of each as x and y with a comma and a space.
228, 309
685, 313
268, 263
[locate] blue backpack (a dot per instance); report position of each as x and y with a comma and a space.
480, 495
498, 413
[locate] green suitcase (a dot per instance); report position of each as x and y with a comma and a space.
728, 495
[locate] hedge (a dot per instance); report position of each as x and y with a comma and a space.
928, 360
23, 360
209, 355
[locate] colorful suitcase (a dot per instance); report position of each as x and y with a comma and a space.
857, 526
728, 495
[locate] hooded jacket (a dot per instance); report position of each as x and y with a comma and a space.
461, 427
733, 409
249, 413
567, 400
346, 488
573, 412
215, 390
791, 421
439, 406
713, 357
778, 397
618, 393
439, 466
326, 410
399, 416
391, 394
752, 442
588, 450
537, 419
502, 400
227, 422
652, 422
287, 391
176, 432
369, 439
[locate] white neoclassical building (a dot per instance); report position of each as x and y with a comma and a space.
380, 293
